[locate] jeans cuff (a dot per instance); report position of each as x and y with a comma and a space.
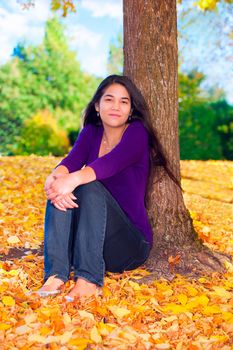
88, 278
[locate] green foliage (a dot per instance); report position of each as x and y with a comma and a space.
115, 58
40, 135
224, 126
205, 127
44, 77
198, 136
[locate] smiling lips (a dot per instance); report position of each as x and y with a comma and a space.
114, 115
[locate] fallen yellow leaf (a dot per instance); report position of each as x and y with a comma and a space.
118, 311
4, 326
8, 301
13, 240
95, 336
223, 293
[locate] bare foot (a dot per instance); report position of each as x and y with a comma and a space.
82, 288
51, 284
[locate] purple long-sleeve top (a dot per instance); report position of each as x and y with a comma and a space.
123, 171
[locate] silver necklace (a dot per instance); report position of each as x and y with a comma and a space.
107, 147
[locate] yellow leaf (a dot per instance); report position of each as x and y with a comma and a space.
229, 266
169, 319
13, 240
228, 317
30, 318
65, 337
8, 301
38, 338
17, 200
79, 343
118, 311
202, 280
168, 292
85, 314
214, 309
3, 288
13, 272
219, 338
134, 285
223, 293
44, 330
22, 329
4, 326
182, 299
106, 291
163, 346
95, 336
66, 319
174, 308
132, 338
105, 328
203, 300
192, 291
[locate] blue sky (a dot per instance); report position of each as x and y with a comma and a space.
90, 29
97, 22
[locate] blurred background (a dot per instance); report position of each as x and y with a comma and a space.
50, 67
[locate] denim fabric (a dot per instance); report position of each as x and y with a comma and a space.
94, 238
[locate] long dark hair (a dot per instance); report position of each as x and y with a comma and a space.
140, 111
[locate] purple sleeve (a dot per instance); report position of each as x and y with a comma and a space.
131, 148
77, 157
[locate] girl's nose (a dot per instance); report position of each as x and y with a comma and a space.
115, 105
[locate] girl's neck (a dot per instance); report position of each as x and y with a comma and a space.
112, 136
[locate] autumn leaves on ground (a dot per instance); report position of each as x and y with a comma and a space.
178, 315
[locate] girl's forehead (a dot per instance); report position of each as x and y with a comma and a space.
116, 89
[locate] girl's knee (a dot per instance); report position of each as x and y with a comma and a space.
89, 188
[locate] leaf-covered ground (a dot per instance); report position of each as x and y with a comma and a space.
181, 314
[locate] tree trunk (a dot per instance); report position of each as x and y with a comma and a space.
151, 61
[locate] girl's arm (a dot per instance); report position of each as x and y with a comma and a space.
74, 161
66, 183
133, 145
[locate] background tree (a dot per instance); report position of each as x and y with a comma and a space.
45, 77
151, 28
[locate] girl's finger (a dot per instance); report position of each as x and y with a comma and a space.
53, 196
70, 202
72, 196
59, 206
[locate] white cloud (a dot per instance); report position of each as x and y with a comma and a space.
91, 48
103, 8
81, 36
17, 25
95, 64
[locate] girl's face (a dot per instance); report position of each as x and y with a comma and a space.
114, 106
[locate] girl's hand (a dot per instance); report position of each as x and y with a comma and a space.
49, 181
62, 185
65, 202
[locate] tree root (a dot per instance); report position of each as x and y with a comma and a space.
187, 261
18, 253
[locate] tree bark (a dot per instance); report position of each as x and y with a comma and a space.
151, 61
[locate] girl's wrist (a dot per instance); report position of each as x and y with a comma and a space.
75, 179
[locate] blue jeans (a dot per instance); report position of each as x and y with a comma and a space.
93, 238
